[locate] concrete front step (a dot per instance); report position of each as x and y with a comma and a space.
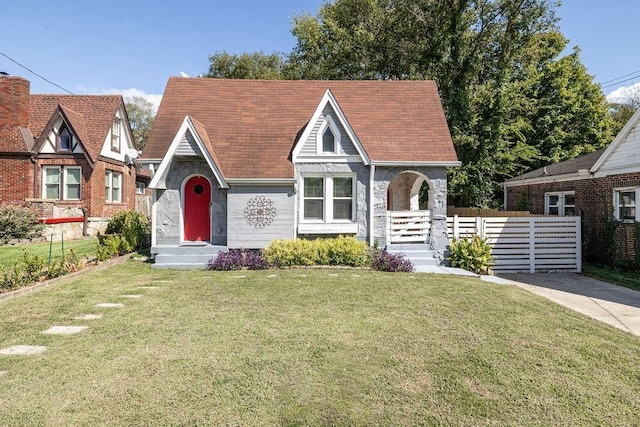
418, 254
184, 257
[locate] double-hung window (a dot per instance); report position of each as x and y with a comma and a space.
624, 202
113, 186
328, 199
560, 203
61, 182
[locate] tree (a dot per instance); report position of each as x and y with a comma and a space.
254, 65
511, 102
141, 114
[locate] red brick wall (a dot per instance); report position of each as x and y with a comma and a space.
594, 201
16, 179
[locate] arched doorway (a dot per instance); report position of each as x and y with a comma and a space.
408, 208
197, 209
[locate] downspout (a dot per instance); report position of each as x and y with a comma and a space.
371, 203
504, 196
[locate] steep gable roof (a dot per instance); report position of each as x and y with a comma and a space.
90, 116
254, 124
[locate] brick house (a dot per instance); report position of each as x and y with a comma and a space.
67, 156
600, 186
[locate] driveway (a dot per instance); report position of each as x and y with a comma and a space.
615, 305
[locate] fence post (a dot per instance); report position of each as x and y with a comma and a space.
479, 230
456, 231
532, 246
578, 229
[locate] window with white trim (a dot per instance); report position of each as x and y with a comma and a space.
561, 203
624, 202
115, 135
61, 182
328, 198
113, 186
328, 138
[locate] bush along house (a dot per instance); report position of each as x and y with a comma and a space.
603, 187
238, 163
69, 157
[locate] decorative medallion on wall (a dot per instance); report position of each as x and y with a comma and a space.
259, 212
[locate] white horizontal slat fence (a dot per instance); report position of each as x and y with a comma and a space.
526, 244
408, 226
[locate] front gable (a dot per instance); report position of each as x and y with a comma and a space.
118, 144
60, 137
328, 137
623, 154
189, 142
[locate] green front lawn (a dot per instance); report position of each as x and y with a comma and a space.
9, 255
617, 276
310, 347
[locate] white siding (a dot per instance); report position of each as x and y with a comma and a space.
309, 149
188, 147
627, 153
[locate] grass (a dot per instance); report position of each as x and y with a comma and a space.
9, 255
620, 277
311, 347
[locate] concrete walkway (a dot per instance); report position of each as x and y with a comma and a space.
616, 305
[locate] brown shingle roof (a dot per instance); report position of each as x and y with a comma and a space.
253, 124
90, 116
571, 166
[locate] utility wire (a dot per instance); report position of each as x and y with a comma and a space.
617, 78
621, 81
33, 72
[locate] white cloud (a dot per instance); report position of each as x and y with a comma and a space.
126, 94
624, 93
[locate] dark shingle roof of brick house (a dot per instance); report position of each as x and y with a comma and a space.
566, 167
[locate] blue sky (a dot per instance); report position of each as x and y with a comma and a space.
134, 46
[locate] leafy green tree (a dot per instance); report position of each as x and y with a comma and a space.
256, 65
141, 114
511, 101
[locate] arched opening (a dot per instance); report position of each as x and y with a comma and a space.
409, 199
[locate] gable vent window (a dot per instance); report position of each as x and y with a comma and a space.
328, 137
115, 135
328, 141
64, 139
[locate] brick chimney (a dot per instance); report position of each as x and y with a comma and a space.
14, 102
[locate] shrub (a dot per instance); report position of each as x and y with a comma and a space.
235, 259
472, 254
395, 263
132, 226
33, 266
342, 250
11, 278
18, 222
67, 263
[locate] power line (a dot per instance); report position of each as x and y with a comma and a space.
34, 73
621, 81
617, 78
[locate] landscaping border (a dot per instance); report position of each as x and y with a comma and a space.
46, 283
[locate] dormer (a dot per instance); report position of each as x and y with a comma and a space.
328, 137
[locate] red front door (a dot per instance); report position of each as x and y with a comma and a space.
197, 218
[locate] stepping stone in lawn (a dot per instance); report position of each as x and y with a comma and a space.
110, 305
131, 296
64, 330
88, 317
15, 350
3, 373
272, 275
333, 275
303, 275
148, 287
239, 277
165, 281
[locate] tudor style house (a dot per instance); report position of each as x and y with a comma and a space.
599, 185
238, 163
67, 156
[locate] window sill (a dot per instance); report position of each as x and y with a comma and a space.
328, 228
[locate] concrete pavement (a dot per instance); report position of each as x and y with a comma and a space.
616, 305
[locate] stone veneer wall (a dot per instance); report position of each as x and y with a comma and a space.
437, 180
168, 204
